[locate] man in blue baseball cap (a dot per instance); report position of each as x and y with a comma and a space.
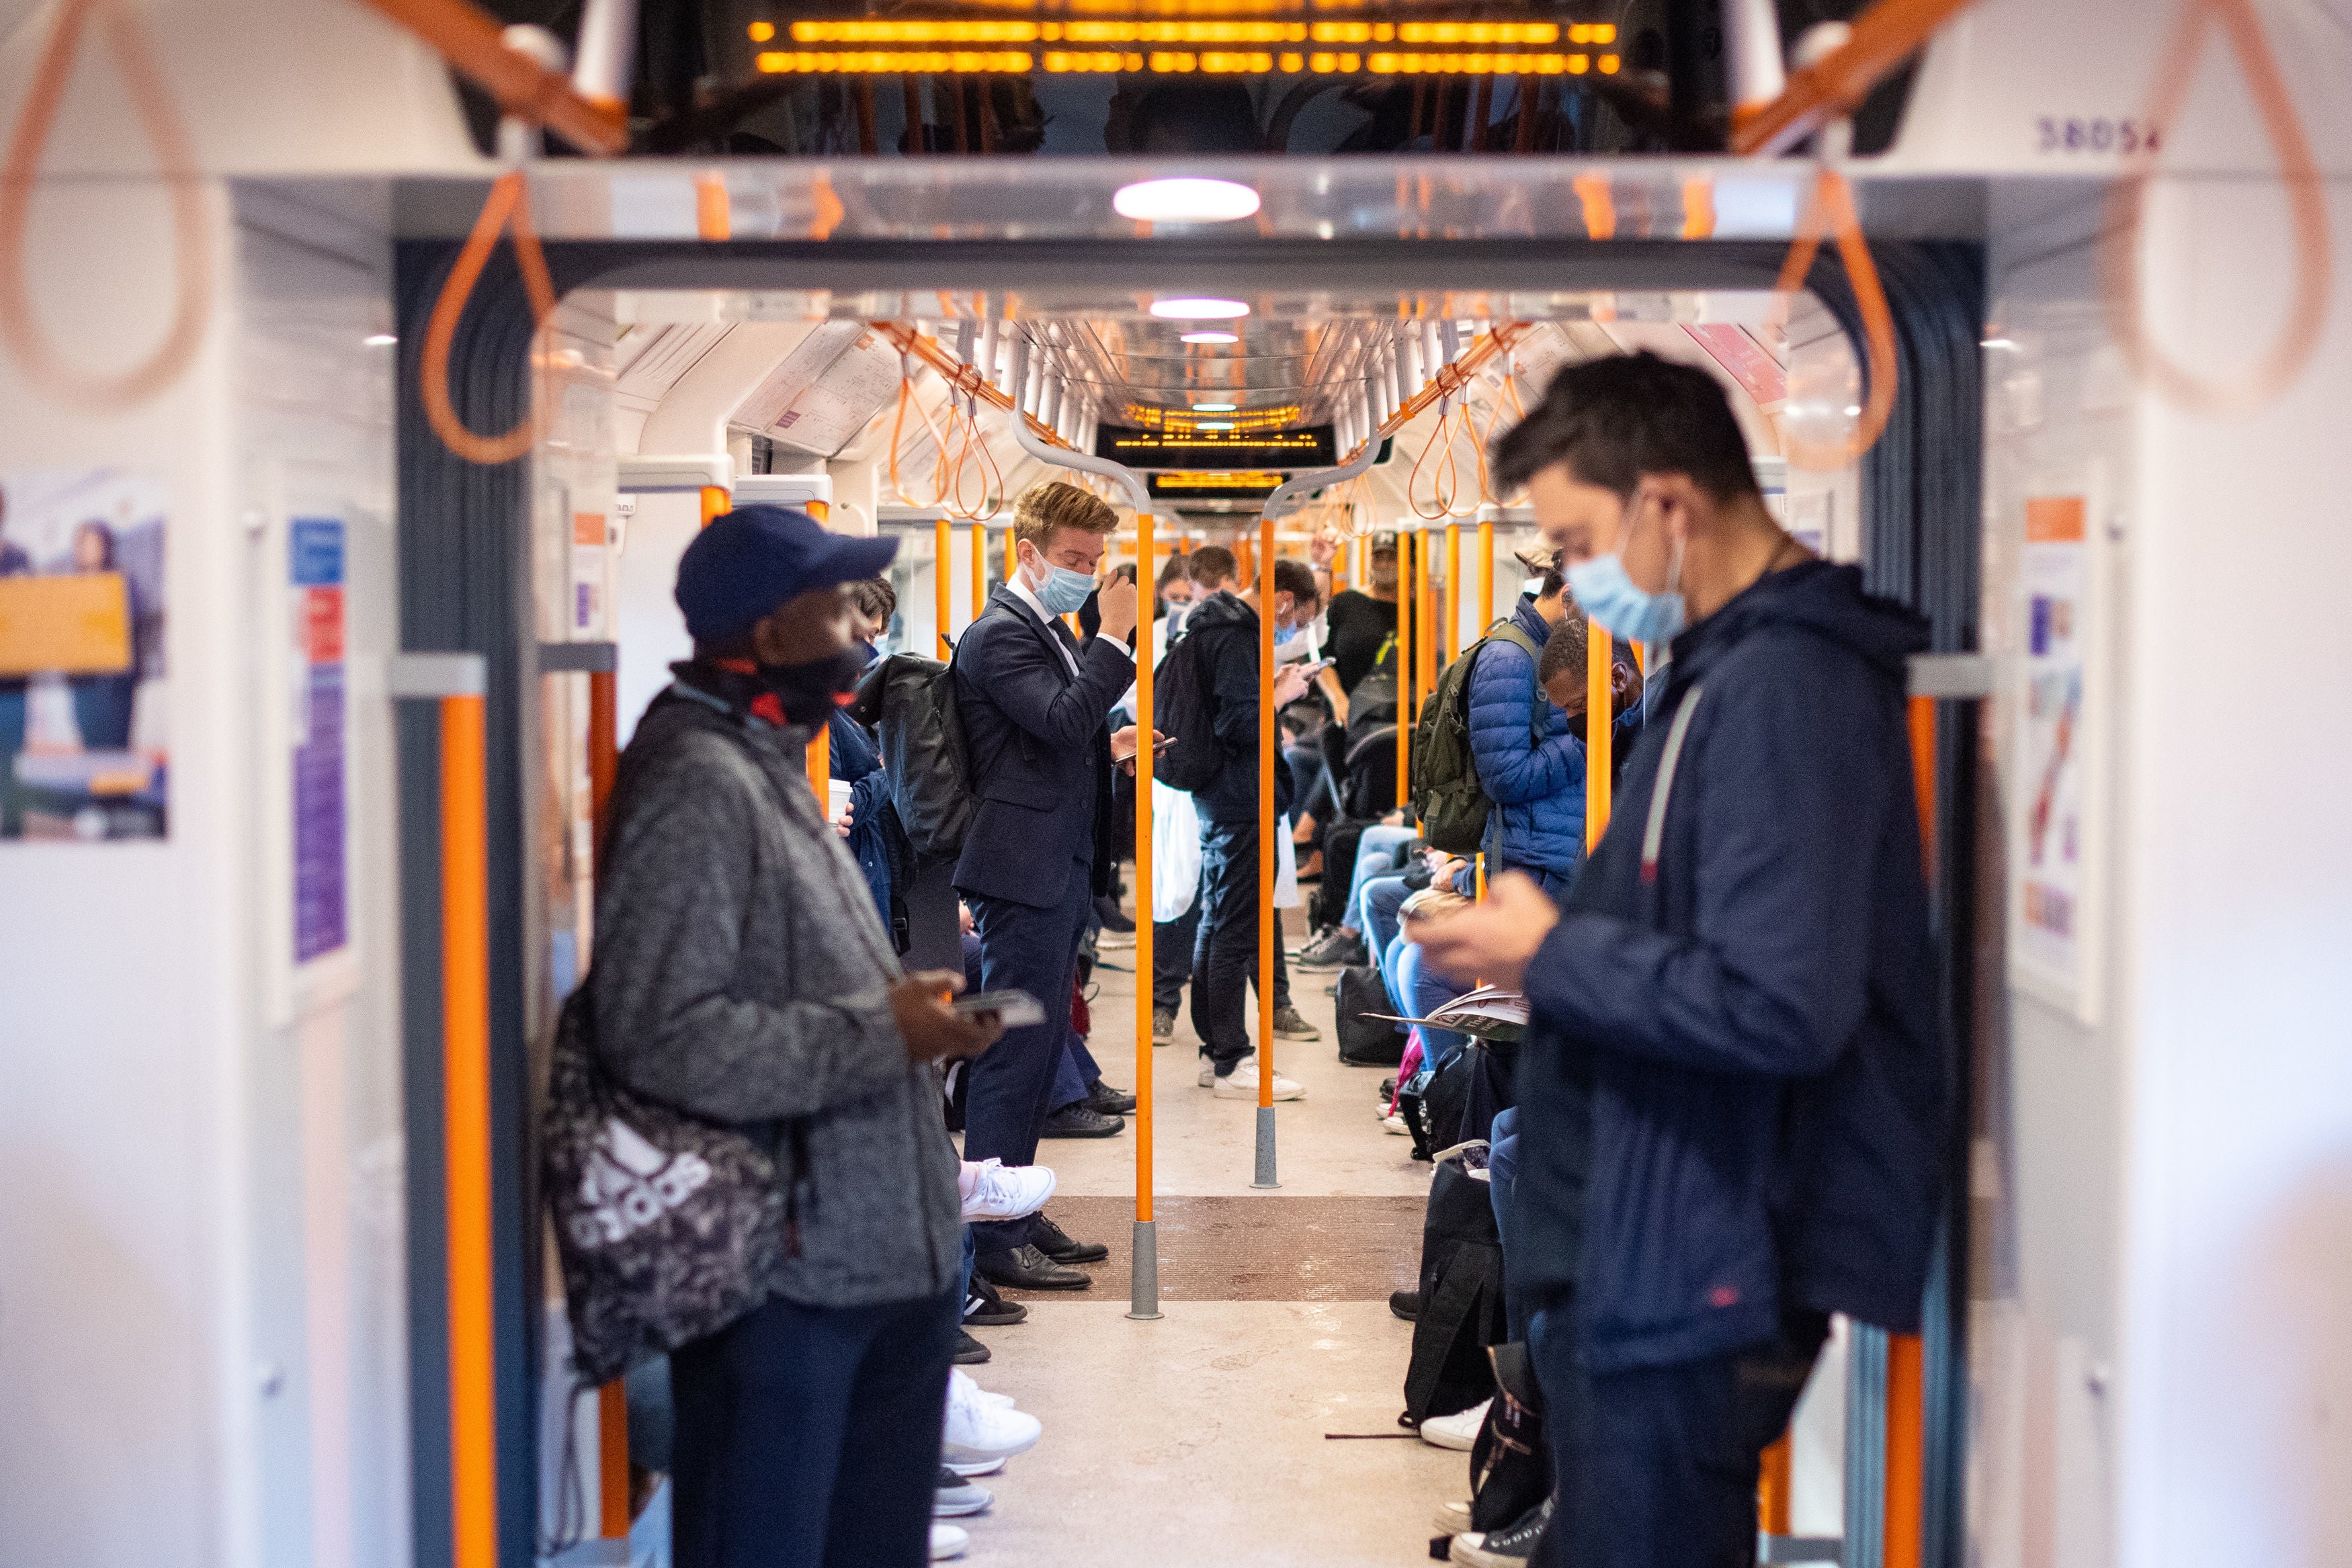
742, 975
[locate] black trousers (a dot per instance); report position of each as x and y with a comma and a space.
1022, 948
1172, 946
1657, 1466
809, 1437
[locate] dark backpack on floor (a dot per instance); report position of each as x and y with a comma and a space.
911, 702
1510, 1464
1461, 1299
1366, 1041
1183, 708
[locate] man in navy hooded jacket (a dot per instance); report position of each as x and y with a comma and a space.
1734, 1100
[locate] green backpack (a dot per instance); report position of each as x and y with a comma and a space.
1446, 795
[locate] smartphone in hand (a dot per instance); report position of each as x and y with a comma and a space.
1013, 1009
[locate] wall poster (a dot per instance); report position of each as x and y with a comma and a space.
2052, 884
315, 570
84, 720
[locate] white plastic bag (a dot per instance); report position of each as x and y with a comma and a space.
1175, 851
1285, 868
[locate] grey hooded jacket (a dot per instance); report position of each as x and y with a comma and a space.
740, 976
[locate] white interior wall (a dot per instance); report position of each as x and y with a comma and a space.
2232, 1442
202, 1259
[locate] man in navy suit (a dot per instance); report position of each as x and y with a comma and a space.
1034, 705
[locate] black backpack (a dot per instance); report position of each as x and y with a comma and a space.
1366, 1041
1461, 1297
1184, 707
1447, 798
911, 702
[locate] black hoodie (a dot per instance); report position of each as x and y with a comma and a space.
1228, 646
1734, 1098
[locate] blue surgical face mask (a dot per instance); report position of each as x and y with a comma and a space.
1064, 592
1619, 605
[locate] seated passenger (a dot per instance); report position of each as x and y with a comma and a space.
742, 976
1530, 758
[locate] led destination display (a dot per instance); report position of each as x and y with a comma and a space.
1307, 447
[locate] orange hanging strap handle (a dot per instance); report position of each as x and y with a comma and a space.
2298, 337
507, 206
191, 237
1831, 207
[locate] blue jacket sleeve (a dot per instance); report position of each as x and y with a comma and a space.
1027, 679
1772, 980
1512, 768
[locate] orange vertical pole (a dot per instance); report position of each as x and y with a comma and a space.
613, 1461
1906, 1403
1424, 625
1266, 844
1143, 922
466, 1132
1404, 666
603, 742
1773, 1488
979, 568
1452, 592
942, 568
1600, 653
1486, 576
1907, 1467
612, 1400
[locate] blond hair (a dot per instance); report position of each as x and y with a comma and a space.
1058, 503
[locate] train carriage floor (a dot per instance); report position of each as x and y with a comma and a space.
1256, 1423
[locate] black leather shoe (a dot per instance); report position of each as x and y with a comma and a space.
1080, 1120
969, 1352
1405, 1304
1026, 1269
985, 1308
1055, 1243
1111, 1102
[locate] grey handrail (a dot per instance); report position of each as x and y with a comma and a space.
1139, 494
1292, 493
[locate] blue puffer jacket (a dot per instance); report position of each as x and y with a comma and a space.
1538, 787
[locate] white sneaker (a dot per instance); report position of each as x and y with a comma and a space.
1008, 1192
1453, 1518
1459, 1431
958, 1378
1241, 1082
946, 1542
956, 1498
970, 1467
1396, 1124
977, 1430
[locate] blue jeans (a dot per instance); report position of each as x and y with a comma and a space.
1383, 896
1502, 1178
1376, 856
1418, 992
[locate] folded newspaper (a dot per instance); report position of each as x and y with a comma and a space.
1487, 1013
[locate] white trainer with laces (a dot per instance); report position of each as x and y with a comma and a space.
1458, 1431
959, 1378
977, 1431
1241, 1082
1008, 1192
